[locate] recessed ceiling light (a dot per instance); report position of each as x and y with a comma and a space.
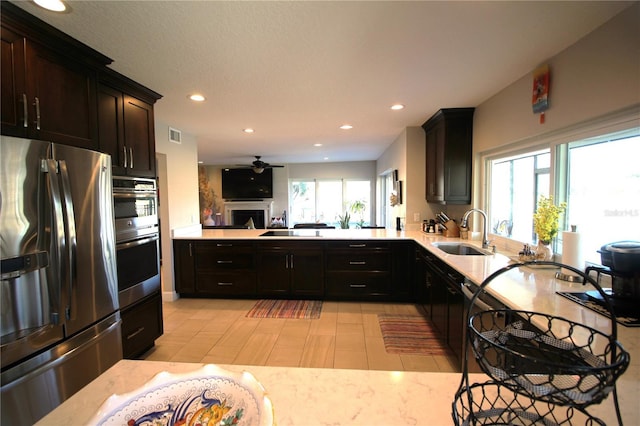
53, 5
346, 127
197, 97
200, 162
317, 144
326, 158
397, 107
248, 130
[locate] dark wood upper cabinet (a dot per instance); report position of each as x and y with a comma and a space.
45, 95
449, 156
126, 124
58, 89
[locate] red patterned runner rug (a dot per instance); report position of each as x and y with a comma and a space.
289, 309
410, 334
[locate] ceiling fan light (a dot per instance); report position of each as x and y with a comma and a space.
258, 170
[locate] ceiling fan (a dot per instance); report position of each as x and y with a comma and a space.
258, 165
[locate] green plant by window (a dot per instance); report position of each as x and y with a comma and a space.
546, 217
358, 207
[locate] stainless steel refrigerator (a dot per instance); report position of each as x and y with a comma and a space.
59, 296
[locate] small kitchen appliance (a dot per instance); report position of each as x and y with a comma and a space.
620, 270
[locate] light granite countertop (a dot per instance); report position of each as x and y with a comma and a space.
316, 396
303, 396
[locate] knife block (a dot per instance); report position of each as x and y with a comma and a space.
452, 231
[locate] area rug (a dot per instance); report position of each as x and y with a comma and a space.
289, 309
410, 334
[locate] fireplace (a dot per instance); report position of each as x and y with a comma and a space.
240, 217
239, 212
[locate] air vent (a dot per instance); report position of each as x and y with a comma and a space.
175, 135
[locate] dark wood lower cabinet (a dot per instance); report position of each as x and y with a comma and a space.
141, 326
343, 269
290, 269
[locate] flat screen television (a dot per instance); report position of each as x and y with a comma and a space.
245, 184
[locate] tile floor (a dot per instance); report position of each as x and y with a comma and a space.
346, 335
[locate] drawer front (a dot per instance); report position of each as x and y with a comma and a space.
358, 284
358, 245
356, 261
141, 326
225, 245
222, 284
219, 261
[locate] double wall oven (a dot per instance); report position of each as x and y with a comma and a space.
135, 203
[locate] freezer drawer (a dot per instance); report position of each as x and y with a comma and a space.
32, 389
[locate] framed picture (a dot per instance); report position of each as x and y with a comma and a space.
540, 96
397, 190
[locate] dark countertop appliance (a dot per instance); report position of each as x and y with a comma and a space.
621, 267
60, 321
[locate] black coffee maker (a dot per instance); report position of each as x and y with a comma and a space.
622, 263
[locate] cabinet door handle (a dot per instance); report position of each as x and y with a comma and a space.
357, 245
25, 110
291, 262
224, 245
135, 333
131, 158
124, 151
357, 285
357, 262
190, 249
453, 277
37, 104
222, 284
224, 262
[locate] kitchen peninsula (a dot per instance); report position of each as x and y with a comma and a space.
334, 396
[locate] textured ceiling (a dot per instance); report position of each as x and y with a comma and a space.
295, 71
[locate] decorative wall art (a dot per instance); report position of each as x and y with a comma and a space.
540, 96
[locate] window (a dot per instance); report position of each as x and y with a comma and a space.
325, 200
604, 190
598, 178
516, 184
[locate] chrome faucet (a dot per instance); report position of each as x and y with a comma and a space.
465, 220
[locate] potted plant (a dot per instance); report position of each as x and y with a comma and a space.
358, 207
546, 225
344, 220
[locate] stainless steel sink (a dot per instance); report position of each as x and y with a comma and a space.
461, 249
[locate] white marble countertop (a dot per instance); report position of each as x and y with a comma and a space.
316, 396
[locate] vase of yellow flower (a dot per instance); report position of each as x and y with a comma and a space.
545, 224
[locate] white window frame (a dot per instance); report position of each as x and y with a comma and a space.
627, 119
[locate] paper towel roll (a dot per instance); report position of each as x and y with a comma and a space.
572, 252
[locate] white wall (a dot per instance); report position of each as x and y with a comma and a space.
178, 187
407, 155
597, 76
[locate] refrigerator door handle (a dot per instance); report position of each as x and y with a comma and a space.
70, 222
58, 236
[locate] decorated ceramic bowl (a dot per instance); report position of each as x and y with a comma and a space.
210, 396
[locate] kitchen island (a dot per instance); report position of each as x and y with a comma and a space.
315, 396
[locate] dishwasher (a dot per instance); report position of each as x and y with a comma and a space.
484, 302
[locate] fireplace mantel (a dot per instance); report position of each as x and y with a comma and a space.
265, 206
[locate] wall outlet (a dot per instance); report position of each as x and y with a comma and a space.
416, 217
